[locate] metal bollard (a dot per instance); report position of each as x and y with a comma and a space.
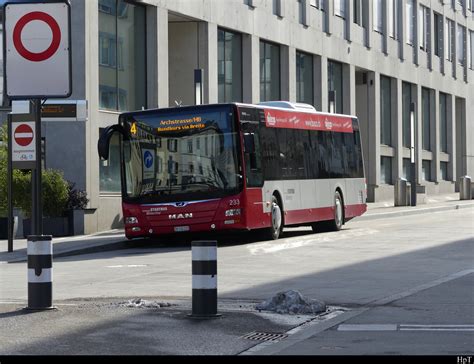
204, 267
465, 190
401, 192
40, 272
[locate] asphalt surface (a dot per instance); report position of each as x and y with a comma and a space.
380, 277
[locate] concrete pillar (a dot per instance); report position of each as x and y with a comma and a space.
451, 116
251, 68
419, 133
373, 159
157, 50
288, 73
207, 48
397, 126
348, 85
321, 83
435, 136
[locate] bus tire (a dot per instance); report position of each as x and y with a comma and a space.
276, 217
337, 222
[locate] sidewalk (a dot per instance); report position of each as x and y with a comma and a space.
115, 239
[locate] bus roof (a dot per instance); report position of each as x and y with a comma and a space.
276, 105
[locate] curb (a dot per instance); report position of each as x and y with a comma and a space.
418, 211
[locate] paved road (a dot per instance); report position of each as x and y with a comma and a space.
360, 267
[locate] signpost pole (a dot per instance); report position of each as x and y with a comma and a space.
37, 202
10, 187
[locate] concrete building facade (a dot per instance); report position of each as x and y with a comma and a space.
370, 58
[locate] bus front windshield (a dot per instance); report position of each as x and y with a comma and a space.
181, 154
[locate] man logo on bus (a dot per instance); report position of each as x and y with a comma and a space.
148, 159
181, 216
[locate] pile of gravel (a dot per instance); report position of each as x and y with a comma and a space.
293, 303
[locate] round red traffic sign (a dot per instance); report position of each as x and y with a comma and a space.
55, 42
23, 135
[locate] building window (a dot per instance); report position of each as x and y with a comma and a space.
385, 111
335, 85
301, 12
109, 170
340, 8
269, 71
460, 44
318, 4
407, 169
386, 170
471, 35
443, 122
392, 18
444, 171
426, 118
406, 105
448, 39
424, 27
438, 36
410, 21
358, 13
122, 56
426, 170
378, 16
276, 8
304, 78
229, 66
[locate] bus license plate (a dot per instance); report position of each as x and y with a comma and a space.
180, 229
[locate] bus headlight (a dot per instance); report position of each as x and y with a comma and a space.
131, 220
234, 212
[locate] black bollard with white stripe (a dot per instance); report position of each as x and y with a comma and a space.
40, 272
204, 255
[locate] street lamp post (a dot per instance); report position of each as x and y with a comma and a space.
413, 179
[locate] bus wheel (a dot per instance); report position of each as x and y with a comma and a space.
276, 230
337, 222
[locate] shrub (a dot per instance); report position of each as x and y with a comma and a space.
77, 199
54, 189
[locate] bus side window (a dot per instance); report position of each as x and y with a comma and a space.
253, 156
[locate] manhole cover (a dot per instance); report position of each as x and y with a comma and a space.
265, 336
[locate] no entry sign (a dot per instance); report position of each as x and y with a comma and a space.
23, 141
37, 50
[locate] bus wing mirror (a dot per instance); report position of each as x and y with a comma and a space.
249, 143
104, 140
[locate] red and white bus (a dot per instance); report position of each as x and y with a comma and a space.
228, 167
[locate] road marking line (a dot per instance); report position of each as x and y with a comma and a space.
367, 327
403, 327
436, 328
127, 266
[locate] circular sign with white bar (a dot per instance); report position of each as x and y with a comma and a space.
37, 50
23, 141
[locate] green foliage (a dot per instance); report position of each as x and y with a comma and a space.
54, 188
58, 195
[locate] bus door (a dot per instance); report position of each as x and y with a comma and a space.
250, 126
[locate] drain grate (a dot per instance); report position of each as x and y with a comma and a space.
265, 336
